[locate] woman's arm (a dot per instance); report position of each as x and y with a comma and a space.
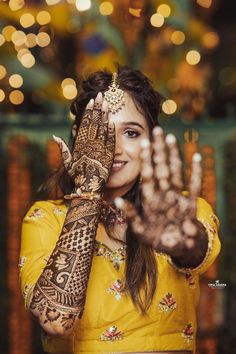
59, 294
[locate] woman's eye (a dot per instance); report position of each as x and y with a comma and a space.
132, 133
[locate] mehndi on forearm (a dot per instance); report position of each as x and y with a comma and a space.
59, 295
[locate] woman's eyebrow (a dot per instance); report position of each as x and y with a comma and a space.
132, 123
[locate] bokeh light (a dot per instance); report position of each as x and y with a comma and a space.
135, 12
27, 20
164, 10
177, 37
27, 60
15, 80
16, 5
210, 40
3, 72
2, 95
193, 57
157, 20
30, 40
7, 32
18, 38
205, 3
70, 92
43, 39
2, 39
68, 81
83, 5
16, 97
169, 107
52, 2
106, 8
43, 17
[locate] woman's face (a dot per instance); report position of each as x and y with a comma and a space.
131, 127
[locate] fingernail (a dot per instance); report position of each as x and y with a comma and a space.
197, 157
157, 131
119, 202
145, 143
170, 139
99, 95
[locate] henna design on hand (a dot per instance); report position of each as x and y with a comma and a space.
91, 160
168, 218
59, 295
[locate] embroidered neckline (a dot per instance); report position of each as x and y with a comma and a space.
116, 257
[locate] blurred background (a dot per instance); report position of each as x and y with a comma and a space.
187, 48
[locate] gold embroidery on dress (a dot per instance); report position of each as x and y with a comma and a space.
35, 214
116, 257
188, 332
111, 334
116, 289
167, 303
58, 211
21, 262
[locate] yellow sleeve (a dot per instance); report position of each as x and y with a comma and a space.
209, 220
40, 231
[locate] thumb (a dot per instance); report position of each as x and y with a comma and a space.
65, 152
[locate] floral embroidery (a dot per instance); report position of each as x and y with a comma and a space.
116, 289
111, 334
21, 262
115, 257
190, 280
188, 332
58, 211
35, 214
214, 218
167, 303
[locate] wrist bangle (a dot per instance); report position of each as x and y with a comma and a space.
83, 195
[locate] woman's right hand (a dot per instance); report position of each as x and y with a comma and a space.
91, 160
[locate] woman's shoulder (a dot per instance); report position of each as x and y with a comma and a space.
41, 208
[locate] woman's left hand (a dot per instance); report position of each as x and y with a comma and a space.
168, 218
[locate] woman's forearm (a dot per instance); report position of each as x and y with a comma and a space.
59, 294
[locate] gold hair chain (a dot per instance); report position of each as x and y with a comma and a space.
114, 95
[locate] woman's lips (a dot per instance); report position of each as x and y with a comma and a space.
117, 165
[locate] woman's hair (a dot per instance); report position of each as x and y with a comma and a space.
141, 268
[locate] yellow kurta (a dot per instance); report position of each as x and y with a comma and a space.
110, 322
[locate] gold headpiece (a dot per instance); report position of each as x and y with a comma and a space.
114, 95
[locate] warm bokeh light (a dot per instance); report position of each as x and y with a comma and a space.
193, 57
3, 72
7, 32
157, 20
2, 95
205, 3
27, 60
16, 5
177, 37
27, 20
16, 97
31, 40
43, 39
169, 107
106, 8
83, 5
135, 12
21, 52
43, 17
70, 92
15, 80
210, 40
18, 38
164, 10
68, 81
52, 2
71, 1
2, 39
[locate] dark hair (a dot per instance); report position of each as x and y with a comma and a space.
141, 268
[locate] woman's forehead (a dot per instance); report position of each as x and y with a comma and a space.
128, 113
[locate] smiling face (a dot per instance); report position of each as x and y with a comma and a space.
131, 127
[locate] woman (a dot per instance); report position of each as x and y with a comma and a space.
107, 274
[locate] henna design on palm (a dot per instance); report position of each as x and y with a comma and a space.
59, 295
168, 218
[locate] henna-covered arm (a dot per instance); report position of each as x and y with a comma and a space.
59, 295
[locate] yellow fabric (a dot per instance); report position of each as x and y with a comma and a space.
110, 322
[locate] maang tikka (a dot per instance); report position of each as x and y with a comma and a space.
114, 95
